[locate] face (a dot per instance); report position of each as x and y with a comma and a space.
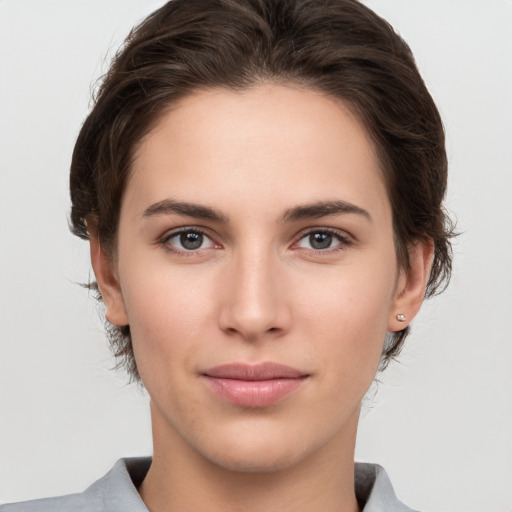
257, 270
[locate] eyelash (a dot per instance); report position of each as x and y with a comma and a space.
343, 239
164, 241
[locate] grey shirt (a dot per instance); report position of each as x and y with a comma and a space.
117, 492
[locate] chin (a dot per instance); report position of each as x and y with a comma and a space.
253, 463
258, 453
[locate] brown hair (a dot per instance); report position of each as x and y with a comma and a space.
339, 47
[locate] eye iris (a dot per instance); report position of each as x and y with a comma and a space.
320, 240
191, 240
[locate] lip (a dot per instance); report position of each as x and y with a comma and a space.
258, 385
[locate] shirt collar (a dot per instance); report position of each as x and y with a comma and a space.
118, 488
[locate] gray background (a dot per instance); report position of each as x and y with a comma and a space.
441, 420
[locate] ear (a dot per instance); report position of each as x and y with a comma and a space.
108, 283
411, 285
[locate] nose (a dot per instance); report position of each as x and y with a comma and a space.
254, 304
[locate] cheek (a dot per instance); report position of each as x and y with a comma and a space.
167, 309
346, 314
355, 300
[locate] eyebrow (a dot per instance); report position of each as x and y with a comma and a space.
323, 209
302, 212
170, 206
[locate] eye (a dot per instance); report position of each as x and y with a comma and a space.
323, 240
188, 240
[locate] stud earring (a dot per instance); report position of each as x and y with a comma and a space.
401, 318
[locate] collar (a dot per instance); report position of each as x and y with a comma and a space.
118, 488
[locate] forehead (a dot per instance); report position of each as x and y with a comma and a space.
269, 141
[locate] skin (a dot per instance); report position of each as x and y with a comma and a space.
257, 291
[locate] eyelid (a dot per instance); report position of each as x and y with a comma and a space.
344, 238
168, 235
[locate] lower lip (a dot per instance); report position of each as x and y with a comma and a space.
254, 393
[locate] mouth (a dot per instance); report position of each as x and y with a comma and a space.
259, 385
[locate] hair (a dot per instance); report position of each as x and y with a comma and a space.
338, 47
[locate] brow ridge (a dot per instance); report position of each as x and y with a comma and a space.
170, 206
300, 212
323, 209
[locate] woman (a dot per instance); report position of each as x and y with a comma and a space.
261, 185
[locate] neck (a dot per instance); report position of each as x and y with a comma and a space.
182, 480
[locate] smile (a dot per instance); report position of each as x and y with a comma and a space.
254, 386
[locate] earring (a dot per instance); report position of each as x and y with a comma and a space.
401, 318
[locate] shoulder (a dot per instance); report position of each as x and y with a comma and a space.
374, 490
115, 492
72, 502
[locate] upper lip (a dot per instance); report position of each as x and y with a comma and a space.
249, 372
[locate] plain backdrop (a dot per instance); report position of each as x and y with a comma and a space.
441, 420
